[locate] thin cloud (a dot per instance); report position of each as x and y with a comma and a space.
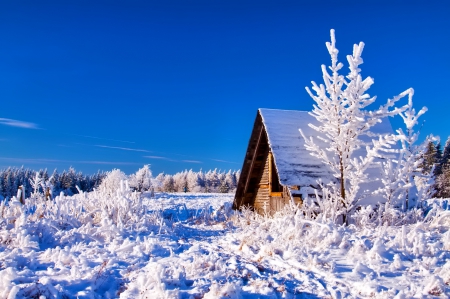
160, 158
49, 161
31, 161
93, 137
124, 148
18, 123
191, 161
224, 161
108, 163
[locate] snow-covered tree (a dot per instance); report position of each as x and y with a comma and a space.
142, 179
168, 184
159, 182
212, 177
180, 181
230, 179
194, 181
443, 182
340, 109
404, 181
36, 183
446, 153
431, 157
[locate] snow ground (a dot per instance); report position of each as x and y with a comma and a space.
194, 246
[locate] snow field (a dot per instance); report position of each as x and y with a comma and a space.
193, 246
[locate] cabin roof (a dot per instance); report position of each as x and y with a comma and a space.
295, 165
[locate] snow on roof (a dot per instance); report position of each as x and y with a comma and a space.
295, 165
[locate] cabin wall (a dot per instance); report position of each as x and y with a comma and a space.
262, 204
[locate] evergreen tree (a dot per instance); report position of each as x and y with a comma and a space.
430, 158
443, 182
446, 154
438, 163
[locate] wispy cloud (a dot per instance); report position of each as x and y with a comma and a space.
31, 161
224, 161
18, 123
93, 137
50, 161
124, 148
191, 161
159, 157
109, 163
172, 160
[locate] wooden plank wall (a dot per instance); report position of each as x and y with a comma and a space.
261, 203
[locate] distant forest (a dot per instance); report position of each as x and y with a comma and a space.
11, 178
68, 181
435, 159
191, 181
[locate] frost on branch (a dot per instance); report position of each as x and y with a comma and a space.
404, 184
346, 127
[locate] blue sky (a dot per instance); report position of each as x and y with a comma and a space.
99, 85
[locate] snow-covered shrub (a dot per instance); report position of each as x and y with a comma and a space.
111, 183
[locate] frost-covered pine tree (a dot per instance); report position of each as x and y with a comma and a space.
443, 182
446, 153
36, 183
430, 157
404, 181
340, 109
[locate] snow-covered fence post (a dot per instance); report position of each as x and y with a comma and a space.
21, 194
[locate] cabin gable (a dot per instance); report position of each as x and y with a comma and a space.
259, 185
279, 170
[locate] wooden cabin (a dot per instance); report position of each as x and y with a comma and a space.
277, 168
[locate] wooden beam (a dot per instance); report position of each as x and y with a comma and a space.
270, 170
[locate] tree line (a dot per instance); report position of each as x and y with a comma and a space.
67, 181
437, 162
70, 181
192, 181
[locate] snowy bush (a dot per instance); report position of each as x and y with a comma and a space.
192, 245
111, 183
